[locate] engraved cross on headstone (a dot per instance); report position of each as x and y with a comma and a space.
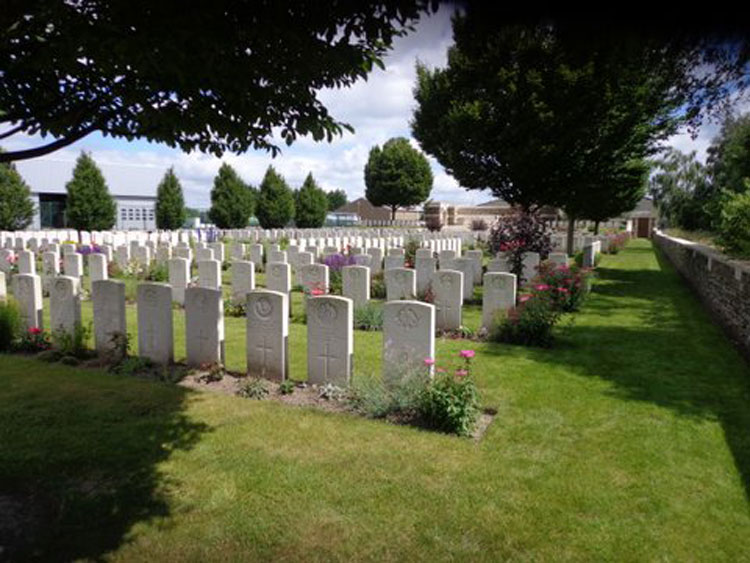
326, 357
265, 348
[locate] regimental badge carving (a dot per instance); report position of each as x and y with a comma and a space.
263, 307
407, 318
446, 280
327, 313
149, 296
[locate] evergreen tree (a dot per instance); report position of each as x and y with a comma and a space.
231, 202
336, 199
170, 204
16, 206
398, 175
90, 207
311, 205
275, 207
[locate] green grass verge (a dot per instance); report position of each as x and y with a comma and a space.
628, 441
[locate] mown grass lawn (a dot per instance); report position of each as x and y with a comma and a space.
628, 441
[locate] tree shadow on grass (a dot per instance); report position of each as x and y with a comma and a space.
669, 354
79, 456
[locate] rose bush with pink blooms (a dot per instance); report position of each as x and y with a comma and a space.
530, 323
567, 286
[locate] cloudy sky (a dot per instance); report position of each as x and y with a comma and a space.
378, 109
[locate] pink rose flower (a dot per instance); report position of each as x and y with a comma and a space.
429, 362
467, 353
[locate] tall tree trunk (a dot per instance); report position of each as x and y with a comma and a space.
393, 212
596, 227
571, 232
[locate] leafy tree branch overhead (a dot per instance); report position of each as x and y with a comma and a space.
220, 78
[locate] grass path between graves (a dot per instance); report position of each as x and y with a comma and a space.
628, 441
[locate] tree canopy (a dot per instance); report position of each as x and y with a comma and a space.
89, 206
729, 155
16, 206
275, 207
222, 78
398, 175
170, 203
336, 199
231, 200
311, 205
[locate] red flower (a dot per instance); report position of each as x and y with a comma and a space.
35, 330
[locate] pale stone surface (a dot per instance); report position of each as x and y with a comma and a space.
163, 253
400, 283
476, 256
218, 248
142, 256
64, 304
179, 277
313, 277
98, 267
377, 259
448, 292
256, 255
466, 267
530, 266
499, 295
279, 277
204, 326
330, 340
122, 256
408, 338
396, 252
445, 259
3, 287
203, 254
183, 252
423, 253
267, 334
238, 251
27, 289
356, 284
26, 262
243, 280
209, 274
558, 258
155, 331
499, 264
110, 328
589, 254
73, 265
304, 259
50, 268
394, 261
277, 256
425, 266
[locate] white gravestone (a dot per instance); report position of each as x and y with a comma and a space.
445, 259
476, 256
238, 251
73, 265
203, 254
110, 327
50, 268
179, 276
218, 248
142, 256
243, 280
394, 261
400, 283
558, 258
204, 326
356, 284
448, 292
3, 288
183, 252
466, 267
64, 304
122, 256
499, 295
209, 274
26, 262
27, 289
277, 256
530, 266
425, 268
499, 264
279, 277
267, 334
377, 259
98, 267
330, 340
256, 255
408, 338
155, 331
313, 278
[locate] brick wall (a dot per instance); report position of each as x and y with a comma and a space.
722, 284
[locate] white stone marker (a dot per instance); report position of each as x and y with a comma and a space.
313, 277
423, 253
50, 268
279, 277
110, 327
330, 340
499, 295
163, 253
243, 280
98, 267
256, 255
448, 292
142, 256
179, 277
155, 331
73, 265
27, 289
303, 259
277, 256
183, 252
64, 304
530, 266
558, 258
476, 256
3, 288
394, 261
356, 284
204, 326
499, 264
425, 267
209, 274
218, 248
26, 262
400, 283
203, 254
408, 338
445, 259
238, 251
267, 334
466, 267
589, 254
377, 259
122, 256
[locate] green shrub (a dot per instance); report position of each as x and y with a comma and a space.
371, 397
72, 343
377, 286
450, 403
567, 286
286, 387
157, 272
131, 365
33, 340
369, 317
10, 324
734, 227
232, 309
254, 388
528, 324
331, 392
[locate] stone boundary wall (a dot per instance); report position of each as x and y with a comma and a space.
722, 284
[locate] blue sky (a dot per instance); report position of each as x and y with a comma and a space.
378, 109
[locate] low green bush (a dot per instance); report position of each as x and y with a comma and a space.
567, 286
528, 324
377, 286
254, 388
450, 403
369, 317
734, 227
72, 343
10, 324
